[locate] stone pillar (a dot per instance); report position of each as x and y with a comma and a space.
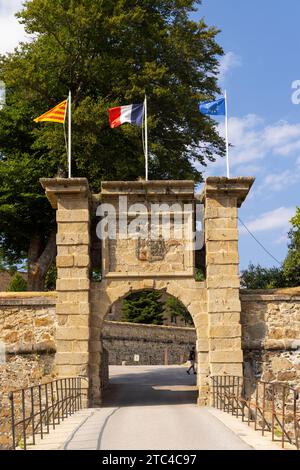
222, 198
73, 337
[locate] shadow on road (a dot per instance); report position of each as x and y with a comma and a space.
150, 387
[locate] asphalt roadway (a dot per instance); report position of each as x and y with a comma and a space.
150, 408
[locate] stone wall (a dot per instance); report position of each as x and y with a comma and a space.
271, 335
270, 332
19, 371
155, 345
28, 323
27, 329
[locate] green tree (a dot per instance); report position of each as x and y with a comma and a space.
108, 53
2, 261
175, 309
291, 266
6, 264
17, 284
51, 277
143, 307
256, 277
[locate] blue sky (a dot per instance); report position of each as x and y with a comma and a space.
261, 42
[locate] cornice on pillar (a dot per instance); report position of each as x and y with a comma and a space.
64, 186
233, 187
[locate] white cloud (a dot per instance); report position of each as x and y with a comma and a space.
276, 219
10, 6
250, 169
281, 133
282, 240
12, 32
246, 140
278, 181
228, 62
288, 149
253, 141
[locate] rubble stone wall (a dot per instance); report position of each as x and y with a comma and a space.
154, 345
27, 329
271, 335
28, 322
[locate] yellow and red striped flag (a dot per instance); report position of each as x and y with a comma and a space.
56, 114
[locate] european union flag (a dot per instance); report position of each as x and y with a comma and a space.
213, 108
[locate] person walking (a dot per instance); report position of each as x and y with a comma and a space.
192, 359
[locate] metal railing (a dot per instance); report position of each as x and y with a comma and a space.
36, 409
273, 407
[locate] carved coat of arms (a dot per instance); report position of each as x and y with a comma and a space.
151, 250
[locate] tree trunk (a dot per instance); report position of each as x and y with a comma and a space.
39, 261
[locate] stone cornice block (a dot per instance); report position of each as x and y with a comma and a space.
148, 188
27, 298
55, 187
233, 187
285, 294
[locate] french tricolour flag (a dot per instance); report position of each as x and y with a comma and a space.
133, 114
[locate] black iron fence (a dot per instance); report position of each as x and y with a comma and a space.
273, 407
37, 409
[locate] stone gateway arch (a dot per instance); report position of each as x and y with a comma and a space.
130, 264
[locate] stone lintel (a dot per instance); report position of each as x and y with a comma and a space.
233, 187
151, 275
148, 188
64, 186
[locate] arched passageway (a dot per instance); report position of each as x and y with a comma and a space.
192, 295
146, 339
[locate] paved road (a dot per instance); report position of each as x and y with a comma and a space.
149, 408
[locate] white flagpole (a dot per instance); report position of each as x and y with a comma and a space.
146, 138
70, 134
226, 134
